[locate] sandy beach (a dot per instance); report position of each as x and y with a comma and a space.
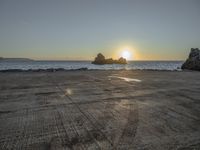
151, 110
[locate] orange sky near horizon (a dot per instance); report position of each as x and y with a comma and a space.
135, 54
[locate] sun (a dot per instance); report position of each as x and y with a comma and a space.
126, 54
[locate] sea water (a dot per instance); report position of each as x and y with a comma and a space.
69, 65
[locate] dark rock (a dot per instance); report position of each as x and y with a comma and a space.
59, 69
100, 60
44, 70
109, 61
193, 61
12, 70
122, 60
82, 69
50, 70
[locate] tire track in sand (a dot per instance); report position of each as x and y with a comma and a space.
75, 105
128, 133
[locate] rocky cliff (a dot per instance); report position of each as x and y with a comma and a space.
193, 61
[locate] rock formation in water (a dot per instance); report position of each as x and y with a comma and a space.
193, 61
100, 60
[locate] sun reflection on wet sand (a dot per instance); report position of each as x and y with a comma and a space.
68, 91
126, 79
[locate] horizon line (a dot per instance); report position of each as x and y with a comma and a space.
88, 59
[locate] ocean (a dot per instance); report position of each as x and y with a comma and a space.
69, 65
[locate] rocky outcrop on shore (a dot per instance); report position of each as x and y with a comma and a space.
193, 61
100, 60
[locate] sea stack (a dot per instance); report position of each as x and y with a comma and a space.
100, 60
193, 61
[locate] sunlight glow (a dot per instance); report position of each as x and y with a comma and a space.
126, 54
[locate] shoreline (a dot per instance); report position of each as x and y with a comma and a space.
70, 66
86, 69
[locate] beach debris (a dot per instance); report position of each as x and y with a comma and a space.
193, 61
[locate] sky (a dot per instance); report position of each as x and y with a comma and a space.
79, 29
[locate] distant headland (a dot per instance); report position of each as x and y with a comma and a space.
100, 60
15, 59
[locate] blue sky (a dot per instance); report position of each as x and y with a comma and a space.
79, 29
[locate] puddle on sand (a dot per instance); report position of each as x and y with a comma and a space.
126, 79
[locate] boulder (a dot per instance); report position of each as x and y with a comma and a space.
193, 61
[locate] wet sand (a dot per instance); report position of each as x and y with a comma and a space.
151, 110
